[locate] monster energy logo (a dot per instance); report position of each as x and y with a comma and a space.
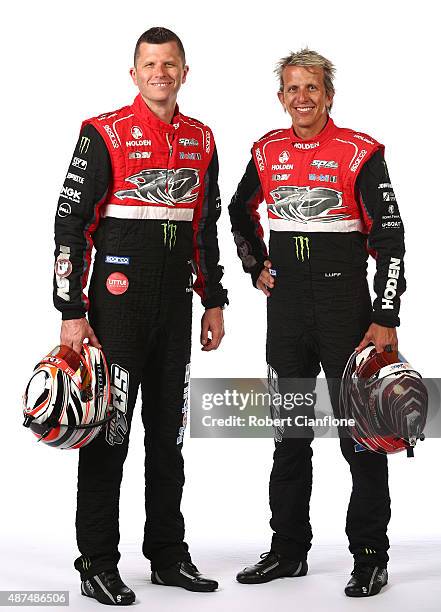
84, 144
85, 563
302, 247
169, 234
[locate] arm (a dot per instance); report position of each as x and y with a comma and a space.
386, 239
245, 223
84, 189
206, 248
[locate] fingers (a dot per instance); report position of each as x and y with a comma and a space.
216, 338
364, 343
266, 280
93, 340
204, 331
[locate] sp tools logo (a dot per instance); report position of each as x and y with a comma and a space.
84, 145
323, 163
302, 247
304, 204
283, 157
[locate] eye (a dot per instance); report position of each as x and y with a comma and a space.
312, 87
292, 88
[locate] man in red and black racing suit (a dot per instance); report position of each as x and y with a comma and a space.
143, 189
329, 200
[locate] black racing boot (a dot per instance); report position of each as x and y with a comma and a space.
271, 567
366, 580
186, 575
108, 588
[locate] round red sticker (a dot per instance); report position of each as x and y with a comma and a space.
117, 283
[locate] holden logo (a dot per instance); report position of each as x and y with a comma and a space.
283, 157
136, 132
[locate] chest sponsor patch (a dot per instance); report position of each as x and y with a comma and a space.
117, 259
117, 283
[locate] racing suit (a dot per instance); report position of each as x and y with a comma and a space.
145, 194
329, 202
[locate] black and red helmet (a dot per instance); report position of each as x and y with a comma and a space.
386, 399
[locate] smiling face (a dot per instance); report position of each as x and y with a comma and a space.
159, 72
305, 98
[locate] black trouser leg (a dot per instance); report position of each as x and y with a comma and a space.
165, 403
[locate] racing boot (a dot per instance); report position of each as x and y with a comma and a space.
186, 575
108, 588
272, 566
366, 580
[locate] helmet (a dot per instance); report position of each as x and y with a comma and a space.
66, 402
386, 399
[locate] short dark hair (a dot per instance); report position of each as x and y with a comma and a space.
159, 36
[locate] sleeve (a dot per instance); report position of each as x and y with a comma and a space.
245, 222
386, 238
206, 249
84, 190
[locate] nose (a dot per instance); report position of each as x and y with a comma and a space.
160, 70
302, 95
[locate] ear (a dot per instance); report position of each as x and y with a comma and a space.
281, 97
184, 76
328, 103
132, 73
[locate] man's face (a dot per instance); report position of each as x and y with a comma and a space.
304, 96
159, 71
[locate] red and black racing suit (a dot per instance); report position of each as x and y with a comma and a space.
145, 193
329, 200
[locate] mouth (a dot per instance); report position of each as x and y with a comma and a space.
304, 109
161, 84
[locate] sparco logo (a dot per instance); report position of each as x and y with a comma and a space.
207, 141
260, 161
306, 146
390, 291
302, 247
323, 163
282, 167
138, 143
283, 157
358, 160
115, 259
112, 136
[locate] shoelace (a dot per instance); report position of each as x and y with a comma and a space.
265, 555
363, 570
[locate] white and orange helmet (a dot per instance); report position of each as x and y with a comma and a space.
67, 400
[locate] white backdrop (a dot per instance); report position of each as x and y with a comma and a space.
66, 61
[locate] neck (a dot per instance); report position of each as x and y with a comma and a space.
307, 133
163, 110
